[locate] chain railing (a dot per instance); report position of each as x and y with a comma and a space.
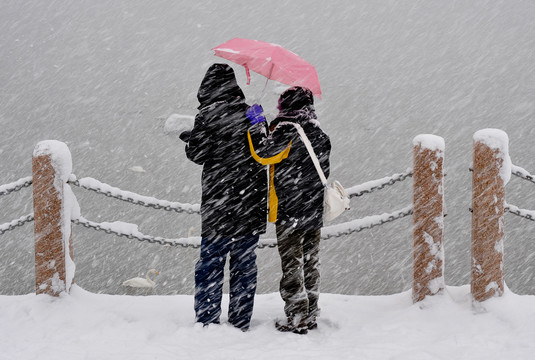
16, 186
515, 210
371, 186
109, 228
193, 242
109, 191
523, 213
367, 222
15, 223
133, 198
327, 232
11, 188
522, 173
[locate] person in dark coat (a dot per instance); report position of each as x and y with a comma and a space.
299, 201
234, 196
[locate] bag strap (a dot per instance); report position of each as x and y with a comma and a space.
310, 149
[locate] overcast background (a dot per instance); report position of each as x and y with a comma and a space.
103, 76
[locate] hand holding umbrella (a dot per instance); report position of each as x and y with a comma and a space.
254, 114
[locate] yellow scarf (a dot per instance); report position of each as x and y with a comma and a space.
271, 161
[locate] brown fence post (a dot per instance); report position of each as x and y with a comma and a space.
491, 171
428, 216
54, 268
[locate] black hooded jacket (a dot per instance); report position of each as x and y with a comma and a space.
233, 184
297, 183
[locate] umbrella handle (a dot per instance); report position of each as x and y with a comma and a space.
267, 79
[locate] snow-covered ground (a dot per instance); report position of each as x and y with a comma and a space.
84, 325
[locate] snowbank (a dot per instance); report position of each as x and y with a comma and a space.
89, 326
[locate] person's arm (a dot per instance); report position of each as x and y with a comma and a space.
267, 148
199, 144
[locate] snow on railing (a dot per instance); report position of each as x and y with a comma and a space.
15, 223
131, 231
146, 201
367, 222
16, 186
95, 185
11, 188
515, 210
522, 173
370, 186
55, 204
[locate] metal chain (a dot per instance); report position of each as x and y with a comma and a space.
391, 181
263, 242
150, 239
520, 212
524, 176
135, 202
394, 216
16, 186
15, 223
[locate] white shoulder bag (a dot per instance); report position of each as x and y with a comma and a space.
335, 200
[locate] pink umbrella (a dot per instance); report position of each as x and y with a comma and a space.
271, 60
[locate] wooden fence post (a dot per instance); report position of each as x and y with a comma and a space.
491, 171
54, 268
428, 216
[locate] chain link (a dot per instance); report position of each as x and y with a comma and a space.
391, 181
147, 238
270, 243
131, 200
393, 216
15, 223
527, 177
526, 214
16, 186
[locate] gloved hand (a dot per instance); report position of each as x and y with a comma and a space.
184, 135
254, 114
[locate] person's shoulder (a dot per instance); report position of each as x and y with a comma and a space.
282, 122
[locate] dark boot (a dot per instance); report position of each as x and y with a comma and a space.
311, 320
289, 326
311, 323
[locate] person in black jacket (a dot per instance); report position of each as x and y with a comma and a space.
233, 206
299, 200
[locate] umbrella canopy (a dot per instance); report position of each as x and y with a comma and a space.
272, 61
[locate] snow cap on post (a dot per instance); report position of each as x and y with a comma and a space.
60, 157
431, 142
497, 140
54, 207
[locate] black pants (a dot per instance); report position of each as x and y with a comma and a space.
299, 286
209, 280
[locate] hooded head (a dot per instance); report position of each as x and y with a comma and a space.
295, 99
219, 84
